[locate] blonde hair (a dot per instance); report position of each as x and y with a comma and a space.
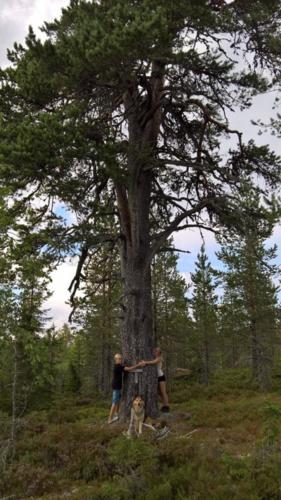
117, 355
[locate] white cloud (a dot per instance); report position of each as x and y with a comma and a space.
191, 239
17, 15
45, 10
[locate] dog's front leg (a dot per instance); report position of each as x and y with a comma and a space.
129, 432
140, 427
136, 426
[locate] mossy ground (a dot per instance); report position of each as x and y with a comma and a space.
234, 453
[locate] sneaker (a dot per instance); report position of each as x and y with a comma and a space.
165, 409
114, 419
161, 433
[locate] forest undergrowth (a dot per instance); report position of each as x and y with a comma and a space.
230, 448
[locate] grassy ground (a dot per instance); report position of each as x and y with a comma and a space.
234, 453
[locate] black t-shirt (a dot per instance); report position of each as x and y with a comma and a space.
117, 377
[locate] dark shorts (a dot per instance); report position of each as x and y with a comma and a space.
162, 378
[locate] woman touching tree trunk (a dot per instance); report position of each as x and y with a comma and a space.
158, 361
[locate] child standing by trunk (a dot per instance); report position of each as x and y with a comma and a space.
158, 361
117, 383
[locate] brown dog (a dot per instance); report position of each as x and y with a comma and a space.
137, 416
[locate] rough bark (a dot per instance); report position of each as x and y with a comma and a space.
137, 338
137, 331
134, 199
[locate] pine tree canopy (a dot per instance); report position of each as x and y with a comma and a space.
124, 104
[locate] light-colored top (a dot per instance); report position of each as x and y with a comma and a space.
159, 365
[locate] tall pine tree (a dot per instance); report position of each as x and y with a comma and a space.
131, 97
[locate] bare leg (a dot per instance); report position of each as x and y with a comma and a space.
163, 393
117, 408
113, 410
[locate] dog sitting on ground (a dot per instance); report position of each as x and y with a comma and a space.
137, 416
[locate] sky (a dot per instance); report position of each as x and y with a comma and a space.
15, 17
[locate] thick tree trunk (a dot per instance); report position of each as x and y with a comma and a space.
137, 328
134, 204
154, 308
137, 336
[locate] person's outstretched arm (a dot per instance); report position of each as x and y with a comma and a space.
134, 367
154, 361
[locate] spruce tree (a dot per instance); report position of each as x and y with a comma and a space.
24, 289
98, 321
232, 325
171, 320
204, 306
250, 273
